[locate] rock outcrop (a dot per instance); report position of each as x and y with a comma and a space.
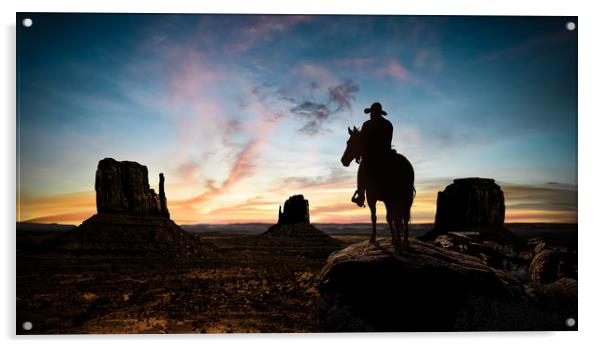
131, 218
123, 188
470, 203
561, 295
421, 289
544, 267
376, 287
474, 206
293, 228
296, 210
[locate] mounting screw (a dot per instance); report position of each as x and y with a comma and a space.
27, 22
27, 325
570, 26
570, 322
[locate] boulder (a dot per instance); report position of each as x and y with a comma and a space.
419, 289
559, 297
544, 266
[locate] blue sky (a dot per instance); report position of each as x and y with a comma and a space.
241, 111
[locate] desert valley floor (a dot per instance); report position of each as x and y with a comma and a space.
237, 285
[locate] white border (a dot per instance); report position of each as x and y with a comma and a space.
590, 56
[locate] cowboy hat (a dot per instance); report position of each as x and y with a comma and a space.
375, 108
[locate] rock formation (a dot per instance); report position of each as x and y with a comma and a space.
162, 198
545, 266
300, 233
470, 204
296, 210
474, 206
131, 218
376, 287
123, 188
560, 295
422, 289
293, 227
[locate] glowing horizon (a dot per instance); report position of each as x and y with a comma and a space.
242, 111
44, 210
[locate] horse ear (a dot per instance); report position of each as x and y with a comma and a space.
355, 129
350, 132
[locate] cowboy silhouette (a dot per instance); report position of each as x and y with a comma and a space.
376, 134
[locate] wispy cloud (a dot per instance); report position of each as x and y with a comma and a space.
315, 111
336, 177
547, 197
355, 61
221, 103
218, 141
393, 69
243, 167
383, 68
260, 29
524, 47
429, 59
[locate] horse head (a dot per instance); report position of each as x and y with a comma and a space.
353, 149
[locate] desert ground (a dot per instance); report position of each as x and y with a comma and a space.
238, 285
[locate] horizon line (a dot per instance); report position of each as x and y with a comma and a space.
31, 221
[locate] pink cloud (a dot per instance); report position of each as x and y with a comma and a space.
243, 167
393, 69
397, 71
312, 72
187, 169
261, 30
212, 146
429, 59
358, 61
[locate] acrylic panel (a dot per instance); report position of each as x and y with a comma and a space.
213, 173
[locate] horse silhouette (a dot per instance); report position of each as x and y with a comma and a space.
391, 181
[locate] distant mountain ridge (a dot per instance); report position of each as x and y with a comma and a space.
41, 227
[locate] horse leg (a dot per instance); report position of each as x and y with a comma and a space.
405, 221
372, 205
398, 220
391, 216
390, 222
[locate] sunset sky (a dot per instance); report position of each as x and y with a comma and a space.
242, 111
